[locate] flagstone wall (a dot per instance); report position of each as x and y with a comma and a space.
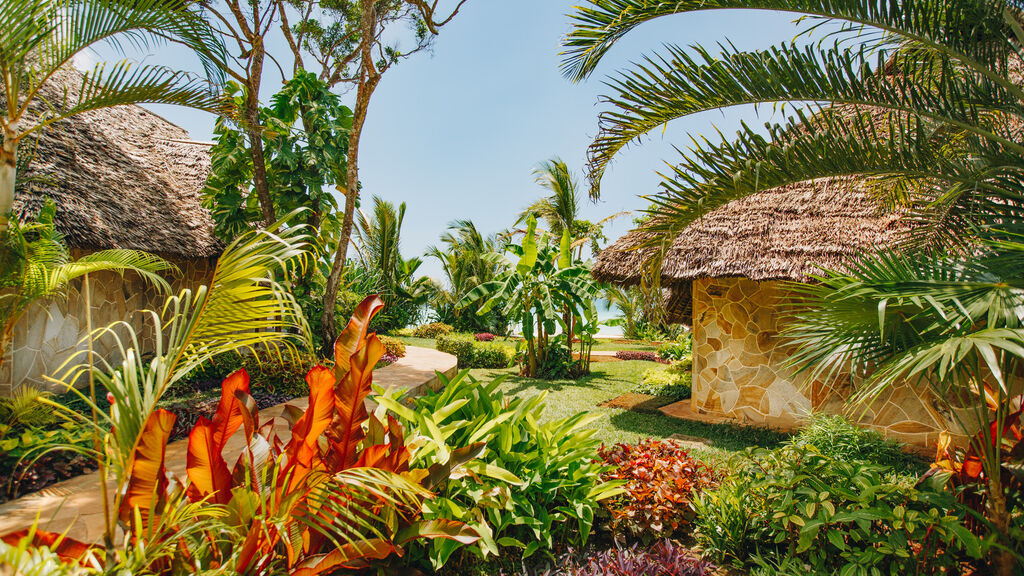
53, 331
739, 369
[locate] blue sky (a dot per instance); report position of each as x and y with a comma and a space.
457, 133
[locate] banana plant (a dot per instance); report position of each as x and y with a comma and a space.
540, 293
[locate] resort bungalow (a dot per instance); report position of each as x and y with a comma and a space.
121, 178
726, 277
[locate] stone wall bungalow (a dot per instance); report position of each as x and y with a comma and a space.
726, 276
121, 178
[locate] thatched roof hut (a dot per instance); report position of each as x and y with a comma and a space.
121, 178
785, 233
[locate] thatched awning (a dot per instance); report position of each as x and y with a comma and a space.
121, 178
785, 233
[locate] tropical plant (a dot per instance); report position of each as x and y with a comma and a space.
919, 98
664, 558
337, 494
836, 517
661, 481
38, 38
676, 350
535, 485
303, 143
561, 210
468, 259
840, 439
433, 330
473, 353
674, 381
543, 291
35, 265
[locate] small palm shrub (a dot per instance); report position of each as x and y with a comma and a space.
433, 330
661, 481
833, 516
673, 381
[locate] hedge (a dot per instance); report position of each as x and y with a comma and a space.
474, 354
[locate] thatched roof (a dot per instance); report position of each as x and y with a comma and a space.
121, 178
785, 233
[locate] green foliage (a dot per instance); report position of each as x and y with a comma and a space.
834, 516
468, 259
673, 381
661, 481
404, 332
393, 346
37, 457
838, 438
432, 330
475, 354
680, 350
305, 143
26, 409
535, 486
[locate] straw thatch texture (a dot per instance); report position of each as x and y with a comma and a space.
779, 234
121, 178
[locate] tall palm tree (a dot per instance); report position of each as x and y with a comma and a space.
920, 97
562, 210
468, 259
40, 37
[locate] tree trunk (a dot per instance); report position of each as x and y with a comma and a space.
1000, 517
8, 172
329, 327
254, 132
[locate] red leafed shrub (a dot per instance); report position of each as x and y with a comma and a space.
661, 479
484, 337
639, 355
665, 558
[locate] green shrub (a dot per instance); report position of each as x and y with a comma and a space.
474, 354
535, 486
676, 350
393, 346
25, 409
835, 517
284, 375
840, 439
405, 332
18, 449
433, 330
672, 381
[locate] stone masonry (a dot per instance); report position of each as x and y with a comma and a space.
739, 369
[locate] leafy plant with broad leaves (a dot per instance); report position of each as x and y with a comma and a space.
661, 482
535, 485
543, 291
338, 493
839, 517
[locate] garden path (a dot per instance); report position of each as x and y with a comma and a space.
76, 506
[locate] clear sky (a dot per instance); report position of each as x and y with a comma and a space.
457, 133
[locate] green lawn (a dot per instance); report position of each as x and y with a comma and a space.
609, 380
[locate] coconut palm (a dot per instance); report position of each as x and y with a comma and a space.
468, 259
920, 97
39, 38
36, 266
562, 209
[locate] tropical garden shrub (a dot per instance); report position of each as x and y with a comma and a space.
484, 337
404, 332
676, 350
840, 439
476, 354
672, 381
393, 346
834, 516
32, 458
350, 497
645, 355
536, 484
661, 481
545, 291
433, 330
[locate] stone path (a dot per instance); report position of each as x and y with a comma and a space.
75, 505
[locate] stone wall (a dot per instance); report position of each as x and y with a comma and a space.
739, 369
52, 332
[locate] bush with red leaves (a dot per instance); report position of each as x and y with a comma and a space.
639, 355
484, 337
661, 480
663, 559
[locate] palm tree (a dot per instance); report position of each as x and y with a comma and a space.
468, 259
919, 97
36, 266
38, 38
562, 209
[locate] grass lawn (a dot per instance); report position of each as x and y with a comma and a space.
611, 379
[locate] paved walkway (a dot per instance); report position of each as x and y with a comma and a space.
76, 503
